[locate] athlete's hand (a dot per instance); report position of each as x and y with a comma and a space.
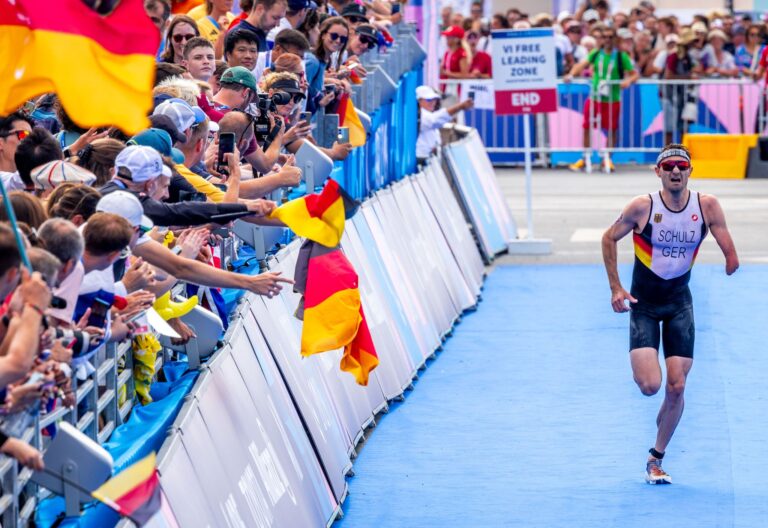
619, 298
731, 264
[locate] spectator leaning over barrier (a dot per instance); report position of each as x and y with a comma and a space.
141, 171
190, 269
181, 30
14, 128
604, 101
432, 119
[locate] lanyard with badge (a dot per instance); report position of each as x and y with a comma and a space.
604, 89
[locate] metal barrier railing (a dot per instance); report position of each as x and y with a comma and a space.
99, 409
97, 413
652, 113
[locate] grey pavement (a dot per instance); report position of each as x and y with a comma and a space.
573, 210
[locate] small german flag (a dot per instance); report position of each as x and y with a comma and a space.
332, 310
99, 60
348, 117
319, 217
134, 492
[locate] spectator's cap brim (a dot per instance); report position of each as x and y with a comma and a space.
427, 93
453, 31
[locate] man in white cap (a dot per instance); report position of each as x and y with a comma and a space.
193, 271
141, 171
432, 119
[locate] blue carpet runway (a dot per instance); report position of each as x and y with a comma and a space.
530, 417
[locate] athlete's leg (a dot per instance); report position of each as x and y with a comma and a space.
646, 369
672, 408
678, 335
644, 340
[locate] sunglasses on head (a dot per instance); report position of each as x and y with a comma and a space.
20, 134
180, 38
335, 36
669, 166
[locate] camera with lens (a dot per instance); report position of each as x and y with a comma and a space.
265, 105
84, 342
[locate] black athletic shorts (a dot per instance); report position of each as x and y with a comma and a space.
677, 330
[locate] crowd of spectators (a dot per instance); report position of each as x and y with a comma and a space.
713, 44
110, 223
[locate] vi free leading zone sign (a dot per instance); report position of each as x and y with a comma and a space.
524, 71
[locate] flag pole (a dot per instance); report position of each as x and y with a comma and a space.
14, 226
80, 488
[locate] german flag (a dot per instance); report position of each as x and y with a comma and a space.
134, 492
101, 65
331, 309
348, 117
319, 217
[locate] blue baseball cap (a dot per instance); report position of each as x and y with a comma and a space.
160, 140
183, 114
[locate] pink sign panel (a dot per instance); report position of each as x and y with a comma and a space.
526, 101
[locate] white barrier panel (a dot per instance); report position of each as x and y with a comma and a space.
437, 192
460, 291
361, 403
404, 228
409, 288
479, 190
395, 341
431, 243
266, 437
309, 390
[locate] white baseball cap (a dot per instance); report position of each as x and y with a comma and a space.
144, 164
426, 92
127, 205
183, 114
590, 15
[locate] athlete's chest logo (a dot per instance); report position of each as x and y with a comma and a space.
657, 218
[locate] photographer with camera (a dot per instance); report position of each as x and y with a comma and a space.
239, 92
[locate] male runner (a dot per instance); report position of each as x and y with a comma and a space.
669, 227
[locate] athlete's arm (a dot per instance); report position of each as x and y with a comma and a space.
633, 214
715, 218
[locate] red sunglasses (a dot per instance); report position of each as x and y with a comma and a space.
20, 134
669, 166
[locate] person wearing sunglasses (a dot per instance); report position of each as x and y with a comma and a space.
13, 129
365, 37
181, 30
668, 227
325, 60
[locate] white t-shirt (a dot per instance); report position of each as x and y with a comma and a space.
429, 131
68, 290
283, 24
12, 181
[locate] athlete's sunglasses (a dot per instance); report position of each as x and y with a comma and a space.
20, 134
669, 166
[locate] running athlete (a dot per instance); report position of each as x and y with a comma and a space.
668, 228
